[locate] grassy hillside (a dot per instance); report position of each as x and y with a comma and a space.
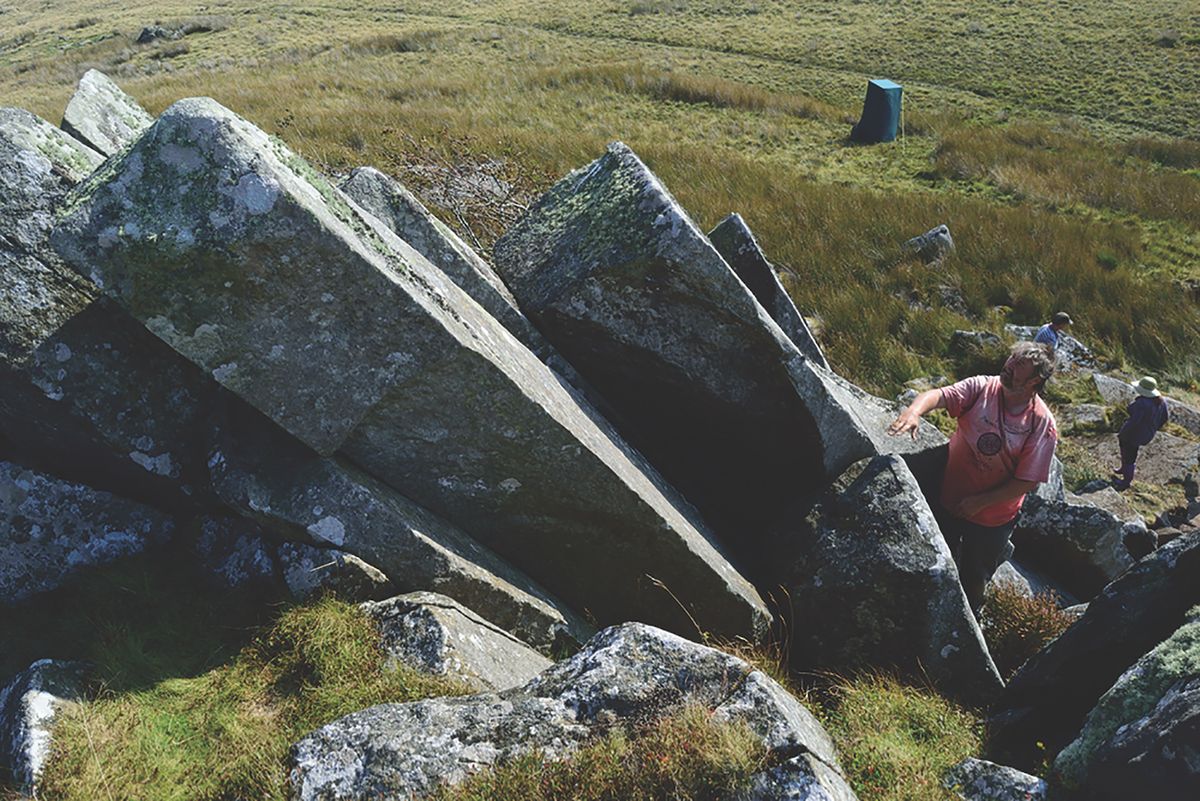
1042, 135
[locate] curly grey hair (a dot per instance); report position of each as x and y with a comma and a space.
1039, 355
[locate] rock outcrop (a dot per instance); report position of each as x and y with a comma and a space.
1119, 392
625, 674
870, 582
285, 292
28, 707
103, 117
1168, 459
980, 780
437, 635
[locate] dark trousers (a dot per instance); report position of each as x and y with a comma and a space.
978, 551
1129, 453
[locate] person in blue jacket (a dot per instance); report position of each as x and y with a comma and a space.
1147, 414
1048, 333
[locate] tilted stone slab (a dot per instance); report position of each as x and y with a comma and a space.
28, 706
871, 583
980, 780
290, 296
1044, 704
296, 493
618, 277
84, 388
1117, 391
625, 674
1168, 459
51, 529
308, 571
103, 117
736, 244
435, 634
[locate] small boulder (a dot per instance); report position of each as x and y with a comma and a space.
308, 571
1081, 417
28, 707
1070, 353
980, 780
103, 117
933, 245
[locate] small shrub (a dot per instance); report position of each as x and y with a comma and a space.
1017, 626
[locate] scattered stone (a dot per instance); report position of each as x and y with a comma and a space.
962, 341
308, 571
435, 634
736, 244
1118, 391
152, 32
617, 276
980, 780
103, 117
933, 245
871, 584
1142, 739
626, 674
1044, 704
324, 320
51, 529
1081, 416
1071, 352
28, 706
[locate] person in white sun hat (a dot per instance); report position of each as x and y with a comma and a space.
1147, 414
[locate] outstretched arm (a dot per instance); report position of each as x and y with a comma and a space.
910, 419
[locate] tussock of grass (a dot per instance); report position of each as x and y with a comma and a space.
225, 733
897, 742
685, 756
1017, 626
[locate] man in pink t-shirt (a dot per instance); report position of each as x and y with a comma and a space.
1001, 449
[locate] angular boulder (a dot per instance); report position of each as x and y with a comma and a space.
736, 244
435, 634
618, 277
290, 296
1119, 392
870, 582
1142, 739
980, 780
1030, 583
28, 707
308, 571
1074, 541
51, 529
85, 390
1044, 704
103, 117
624, 675
301, 496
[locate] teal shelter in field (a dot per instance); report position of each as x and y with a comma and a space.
881, 112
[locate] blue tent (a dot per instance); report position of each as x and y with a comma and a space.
880, 114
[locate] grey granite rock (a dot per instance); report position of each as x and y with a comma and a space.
307, 571
619, 278
736, 244
436, 634
1081, 416
625, 674
103, 117
1118, 391
1071, 353
1031, 583
51, 529
234, 552
933, 245
28, 707
871, 583
283, 290
980, 780
1168, 459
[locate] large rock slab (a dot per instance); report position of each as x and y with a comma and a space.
28, 707
736, 244
1168, 459
311, 310
437, 635
1118, 391
299, 495
1044, 704
625, 674
85, 390
1073, 540
618, 277
51, 529
103, 117
871, 583
1142, 739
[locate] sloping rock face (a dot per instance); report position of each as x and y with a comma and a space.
28, 706
308, 571
1074, 541
1142, 740
980, 780
438, 635
871, 583
736, 244
84, 389
50, 529
1046, 701
625, 674
267, 475
618, 277
276, 284
1115, 390
103, 117
1168, 459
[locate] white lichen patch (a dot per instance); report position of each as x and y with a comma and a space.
256, 193
329, 529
